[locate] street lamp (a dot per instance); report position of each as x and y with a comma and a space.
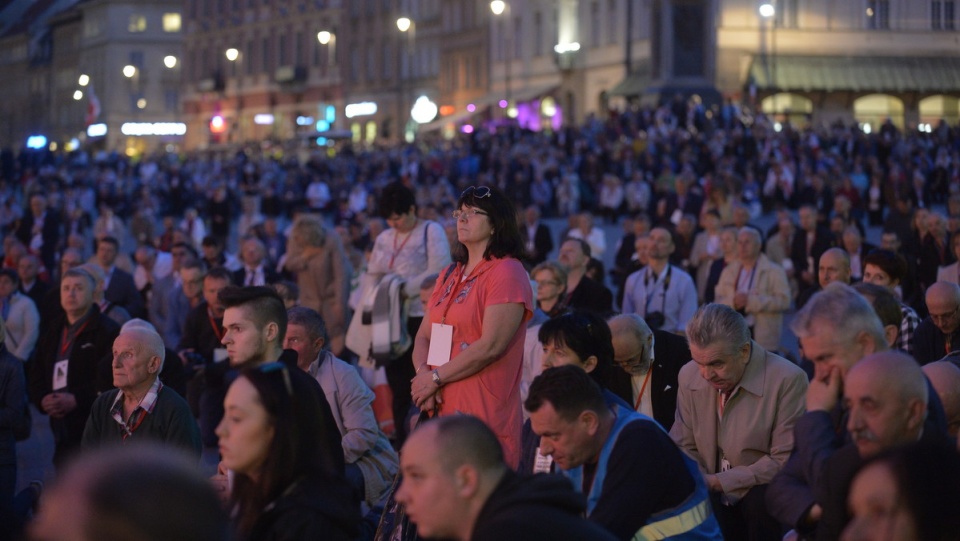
408, 27
129, 71
170, 61
767, 12
234, 56
84, 80
329, 39
499, 7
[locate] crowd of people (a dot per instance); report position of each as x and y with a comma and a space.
398, 333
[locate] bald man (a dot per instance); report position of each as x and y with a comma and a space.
887, 395
457, 486
640, 352
140, 408
945, 378
937, 334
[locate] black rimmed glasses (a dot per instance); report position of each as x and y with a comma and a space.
284, 370
479, 192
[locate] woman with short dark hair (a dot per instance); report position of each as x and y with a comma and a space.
469, 349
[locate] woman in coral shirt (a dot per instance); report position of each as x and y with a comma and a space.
469, 349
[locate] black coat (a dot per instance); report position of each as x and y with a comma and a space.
123, 292
542, 244
50, 235
535, 508
91, 349
591, 296
670, 352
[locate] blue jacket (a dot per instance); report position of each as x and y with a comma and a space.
691, 520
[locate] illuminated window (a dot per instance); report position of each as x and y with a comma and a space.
138, 23
171, 22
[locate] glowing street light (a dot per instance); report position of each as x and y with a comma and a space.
129, 71
324, 37
78, 95
170, 61
767, 10
84, 80
232, 54
403, 24
498, 7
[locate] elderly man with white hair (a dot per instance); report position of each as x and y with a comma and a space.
140, 408
757, 288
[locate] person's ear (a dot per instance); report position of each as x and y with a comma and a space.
916, 414
891, 332
153, 365
590, 422
467, 481
271, 331
590, 364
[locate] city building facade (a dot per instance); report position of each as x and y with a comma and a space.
210, 73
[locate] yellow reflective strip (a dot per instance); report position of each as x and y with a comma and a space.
676, 525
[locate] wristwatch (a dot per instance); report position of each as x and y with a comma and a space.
436, 377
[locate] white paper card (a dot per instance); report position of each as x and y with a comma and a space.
543, 463
60, 374
441, 344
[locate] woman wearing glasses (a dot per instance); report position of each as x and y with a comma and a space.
469, 349
271, 438
551, 282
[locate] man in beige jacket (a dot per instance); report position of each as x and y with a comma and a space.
757, 288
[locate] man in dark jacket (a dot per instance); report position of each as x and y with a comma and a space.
457, 486
640, 352
68, 360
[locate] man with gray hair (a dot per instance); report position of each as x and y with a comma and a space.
757, 288
887, 397
371, 462
68, 359
836, 329
736, 409
650, 362
141, 407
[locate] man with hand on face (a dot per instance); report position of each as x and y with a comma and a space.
68, 358
836, 329
650, 362
638, 484
886, 395
141, 408
736, 409
371, 461
457, 486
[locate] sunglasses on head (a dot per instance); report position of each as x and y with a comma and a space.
479, 192
284, 370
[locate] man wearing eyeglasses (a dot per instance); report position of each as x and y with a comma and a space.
937, 335
650, 362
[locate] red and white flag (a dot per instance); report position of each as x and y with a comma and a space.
93, 107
